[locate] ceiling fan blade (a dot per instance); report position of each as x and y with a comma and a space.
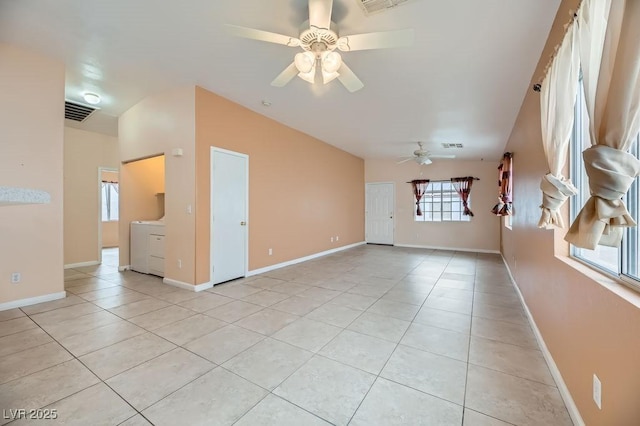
378, 40
285, 76
320, 13
405, 160
349, 79
267, 36
442, 156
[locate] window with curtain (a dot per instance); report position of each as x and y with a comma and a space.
623, 261
441, 203
110, 201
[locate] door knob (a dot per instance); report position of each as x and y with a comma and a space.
243, 223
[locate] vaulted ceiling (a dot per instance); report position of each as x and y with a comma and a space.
461, 81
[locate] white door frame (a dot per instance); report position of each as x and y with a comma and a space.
366, 218
100, 170
246, 213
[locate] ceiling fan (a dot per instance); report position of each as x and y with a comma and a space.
421, 156
319, 40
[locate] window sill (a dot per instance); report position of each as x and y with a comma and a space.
608, 281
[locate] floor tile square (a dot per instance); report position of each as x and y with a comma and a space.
515, 360
235, 291
328, 389
506, 332
66, 328
391, 308
98, 338
162, 317
20, 364
359, 350
443, 319
224, 344
205, 301
514, 400
297, 305
23, 340
268, 362
234, 311
389, 403
153, 380
473, 418
115, 359
188, 329
307, 334
337, 315
93, 406
438, 341
139, 307
217, 398
70, 300
46, 386
273, 411
267, 321
430, 373
265, 298
386, 328
354, 301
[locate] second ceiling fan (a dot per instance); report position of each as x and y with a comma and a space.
319, 39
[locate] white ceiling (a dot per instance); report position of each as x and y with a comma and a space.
463, 80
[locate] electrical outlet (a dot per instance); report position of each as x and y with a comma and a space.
179, 263
15, 277
337, 237
597, 391
331, 239
270, 252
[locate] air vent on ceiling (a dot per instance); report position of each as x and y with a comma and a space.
375, 6
451, 145
77, 112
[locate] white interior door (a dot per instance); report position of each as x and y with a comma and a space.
379, 198
229, 214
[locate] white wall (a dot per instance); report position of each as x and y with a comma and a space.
84, 153
481, 233
31, 140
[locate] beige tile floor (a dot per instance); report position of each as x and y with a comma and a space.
370, 336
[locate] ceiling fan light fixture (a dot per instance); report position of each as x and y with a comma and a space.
305, 62
328, 77
309, 77
423, 160
331, 62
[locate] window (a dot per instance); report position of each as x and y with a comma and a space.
621, 261
109, 201
441, 203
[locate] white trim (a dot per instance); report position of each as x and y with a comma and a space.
553, 368
246, 204
32, 300
124, 268
81, 264
187, 286
472, 250
302, 259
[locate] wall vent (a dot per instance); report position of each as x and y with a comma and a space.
451, 145
77, 112
374, 6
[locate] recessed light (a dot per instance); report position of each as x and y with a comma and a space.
91, 98
266, 103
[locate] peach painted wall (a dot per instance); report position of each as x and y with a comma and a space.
302, 191
590, 324
84, 153
154, 126
31, 135
481, 233
110, 236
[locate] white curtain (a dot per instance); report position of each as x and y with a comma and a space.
609, 36
557, 102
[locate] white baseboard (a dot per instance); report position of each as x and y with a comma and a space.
187, 286
81, 264
302, 259
124, 268
553, 368
472, 250
32, 300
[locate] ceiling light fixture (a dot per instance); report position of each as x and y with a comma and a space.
305, 62
331, 62
91, 98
